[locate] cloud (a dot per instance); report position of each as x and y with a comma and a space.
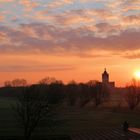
114, 4
2, 18
132, 20
34, 68
72, 18
132, 54
57, 4
68, 18
76, 18
6, 1
104, 14
28, 4
86, 1
131, 8
131, 1
105, 29
3, 36
80, 41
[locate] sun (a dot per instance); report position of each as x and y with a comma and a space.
137, 74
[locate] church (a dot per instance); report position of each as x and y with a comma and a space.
105, 80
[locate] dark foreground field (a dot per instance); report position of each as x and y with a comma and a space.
71, 121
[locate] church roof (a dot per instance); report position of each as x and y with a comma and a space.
105, 72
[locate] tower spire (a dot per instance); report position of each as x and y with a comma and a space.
105, 77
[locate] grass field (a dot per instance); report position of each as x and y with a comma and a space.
70, 120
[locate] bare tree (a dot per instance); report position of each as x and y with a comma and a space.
132, 95
16, 83
7, 84
47, 80
31, 108
84, 94
55, 93
19, 82
72, 93
98, 92
98, 95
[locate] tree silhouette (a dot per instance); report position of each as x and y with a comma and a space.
31, 108
47, 80
84, 94
98, 92
16, 83
132, 95
72, 93
7, 84
55, 93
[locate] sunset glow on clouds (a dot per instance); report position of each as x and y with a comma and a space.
69, 39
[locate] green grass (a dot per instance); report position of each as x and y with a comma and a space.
70, 120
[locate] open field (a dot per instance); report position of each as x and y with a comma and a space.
70, 120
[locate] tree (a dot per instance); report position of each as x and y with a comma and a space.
31, 108
55, 93
132, 95
47, 80
19, 83
84, 94
98, 92
7, 84
72, 93
16, 83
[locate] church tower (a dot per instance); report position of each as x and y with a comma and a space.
105, 77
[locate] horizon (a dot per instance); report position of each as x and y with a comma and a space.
70, 40
66, 82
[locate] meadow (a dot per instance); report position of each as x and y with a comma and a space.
69, 120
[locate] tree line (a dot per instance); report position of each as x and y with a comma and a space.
75, 93
37, 102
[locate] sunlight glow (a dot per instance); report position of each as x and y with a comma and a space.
137, 74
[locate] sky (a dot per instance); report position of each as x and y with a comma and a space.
69, 39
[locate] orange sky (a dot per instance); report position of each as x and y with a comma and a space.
67, 68
69, 39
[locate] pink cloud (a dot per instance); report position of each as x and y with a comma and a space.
6, 1
77, 17
2, 36
132, 20
71, 41
60, 3
132, 54
2, 18
28, 4
105, 29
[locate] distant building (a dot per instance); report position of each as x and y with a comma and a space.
105, 80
